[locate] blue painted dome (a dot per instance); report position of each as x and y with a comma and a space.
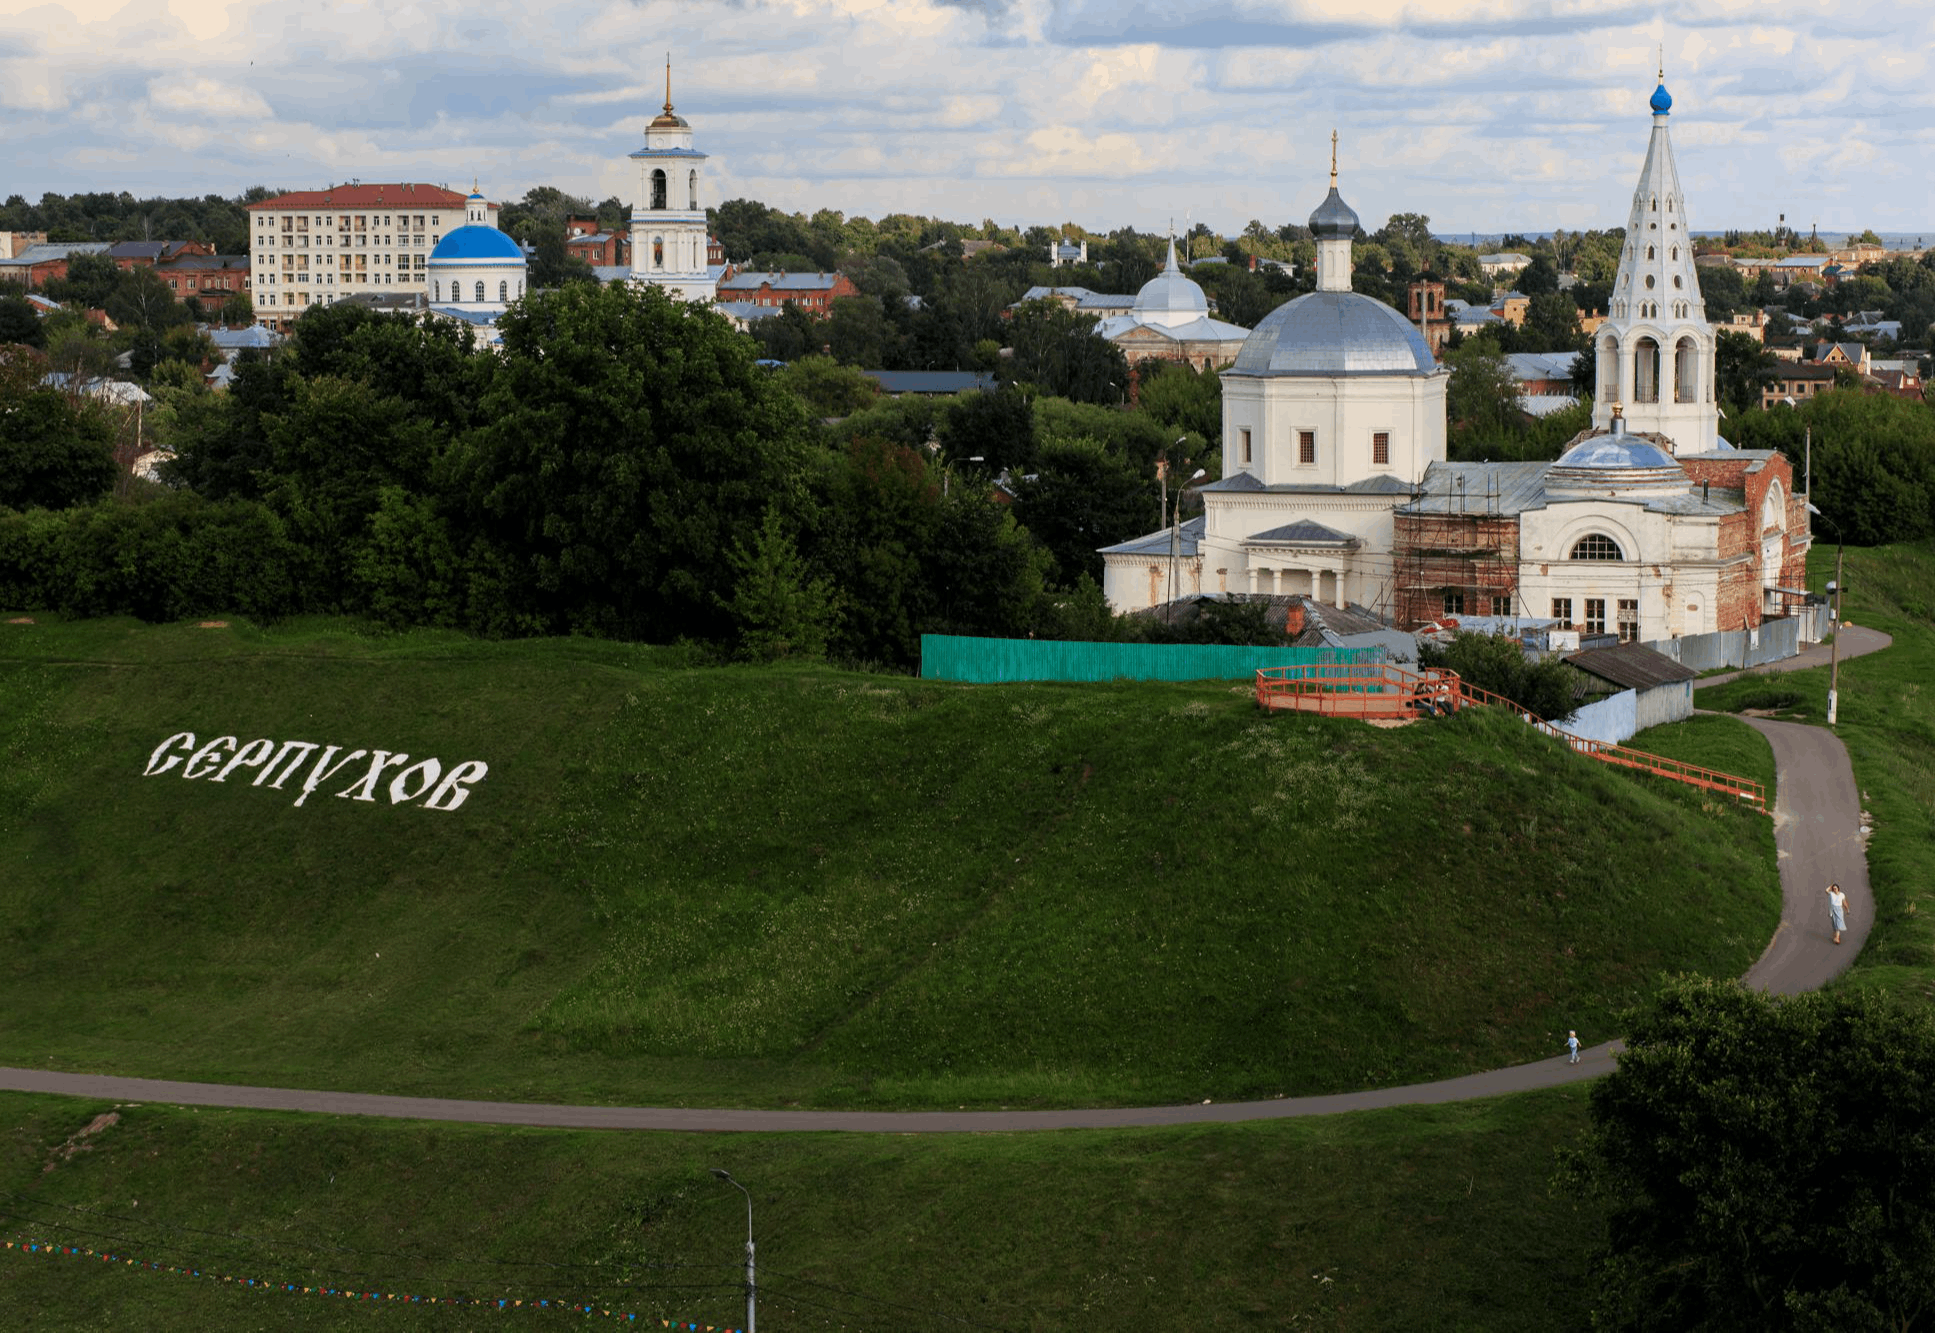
477, 244
1662, 101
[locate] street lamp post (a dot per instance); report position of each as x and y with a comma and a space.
1175, 540
1834, 601
752, 1322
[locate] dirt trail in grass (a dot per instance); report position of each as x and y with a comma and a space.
1817, 839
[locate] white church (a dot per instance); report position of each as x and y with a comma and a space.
1335, 485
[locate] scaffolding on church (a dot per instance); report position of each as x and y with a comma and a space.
1454, 554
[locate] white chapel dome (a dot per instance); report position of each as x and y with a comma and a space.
1170, 299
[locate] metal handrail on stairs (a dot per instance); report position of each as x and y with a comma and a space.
1386, 691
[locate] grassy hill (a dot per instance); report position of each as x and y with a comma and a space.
804, 886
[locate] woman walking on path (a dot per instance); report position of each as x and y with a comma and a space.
1837, 910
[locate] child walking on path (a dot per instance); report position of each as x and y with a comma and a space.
1572, 1046
1837, 910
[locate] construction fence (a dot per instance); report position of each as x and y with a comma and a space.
1002, 661
1772, 641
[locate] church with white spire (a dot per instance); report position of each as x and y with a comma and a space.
1335, 484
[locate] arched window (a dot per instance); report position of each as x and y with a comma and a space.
692, 182
480, 291
1646, 371
503, 290
1674, 253
658, 252
1677, 284
1597, 546
436, 291
1686, 372
658, 187
1649, 252
1608, 370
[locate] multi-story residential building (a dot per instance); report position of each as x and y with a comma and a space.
314, 247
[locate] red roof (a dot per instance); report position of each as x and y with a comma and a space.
368, 196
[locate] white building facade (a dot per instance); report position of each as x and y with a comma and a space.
312, 247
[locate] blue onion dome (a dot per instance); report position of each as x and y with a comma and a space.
1662, 100
477, 243
1334, 220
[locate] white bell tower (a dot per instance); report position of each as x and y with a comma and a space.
668, 220
1654, 355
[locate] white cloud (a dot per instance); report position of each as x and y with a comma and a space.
1486, 114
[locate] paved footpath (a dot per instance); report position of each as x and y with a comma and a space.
1816, 836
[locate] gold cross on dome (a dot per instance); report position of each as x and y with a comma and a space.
1333, 159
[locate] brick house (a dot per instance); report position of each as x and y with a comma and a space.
814, 293
584, 240
46, 262
209, 278
1799, 380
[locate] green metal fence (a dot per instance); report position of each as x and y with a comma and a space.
995, 661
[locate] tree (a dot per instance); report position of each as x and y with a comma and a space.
20, 323
1552, 324
827, 388
1056, 349
1482, 396
777, 607
56, 449
1742, 367
997, 428
142, 300
1723, 289
627, 443
1182, 397
1768, 1163
1498, 664
1080, 498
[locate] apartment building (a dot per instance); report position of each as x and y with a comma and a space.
314, 247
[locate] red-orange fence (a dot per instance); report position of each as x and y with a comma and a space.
1393, 692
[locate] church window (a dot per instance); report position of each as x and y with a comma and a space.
1454, 604
692, 184
1649, 282
1244, 436
503, 291
1627, 620
1676, 281
1649, 252
658, 252
1686, 372
1596, 546
1381, 449
1307, 446
436, 291
1674, 253
480, 291
1595, 615
658, 187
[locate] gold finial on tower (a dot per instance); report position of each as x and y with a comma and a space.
1333, 159
668, 83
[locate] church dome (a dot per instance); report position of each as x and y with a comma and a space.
1334, 219
477, 244
1662, 101
1170, 298
1334, 333
1615, 462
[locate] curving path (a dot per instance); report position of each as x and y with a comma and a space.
1817, 838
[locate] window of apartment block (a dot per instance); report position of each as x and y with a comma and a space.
1562, 610
1306, 446
1245, 435
1381, 449
1501, 606
1595, 615
1454, 604
1628, 620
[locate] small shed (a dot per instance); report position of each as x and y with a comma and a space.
1662, 688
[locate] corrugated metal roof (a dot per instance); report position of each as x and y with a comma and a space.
1157, 542
750, 280
1480, 488
1631, 666
930, 381
1304, 532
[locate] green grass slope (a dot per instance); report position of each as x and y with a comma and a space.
1433, 1218
803, 886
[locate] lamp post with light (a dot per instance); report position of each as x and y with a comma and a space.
751, 1316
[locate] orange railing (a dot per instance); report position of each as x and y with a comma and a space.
1385, 691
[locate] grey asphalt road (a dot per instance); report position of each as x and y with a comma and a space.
1817, 838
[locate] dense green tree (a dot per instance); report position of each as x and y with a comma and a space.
141, 299
827, 388
90, 281
997, 428
220, 442
1742, 367
1056, 349
1181, 397
857, 333
1482, 398
789, 335
1497, 663
778, 608
1768, 1164
1722, 288
56, 449
20, 322
1082, 496
628, 442
1552, 324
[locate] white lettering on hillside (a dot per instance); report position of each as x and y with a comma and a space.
275, 762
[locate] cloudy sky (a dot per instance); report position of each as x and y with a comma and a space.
1485, 115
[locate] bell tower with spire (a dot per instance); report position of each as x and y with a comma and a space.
668, 217
1654, 356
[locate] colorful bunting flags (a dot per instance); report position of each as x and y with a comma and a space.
35, 1246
